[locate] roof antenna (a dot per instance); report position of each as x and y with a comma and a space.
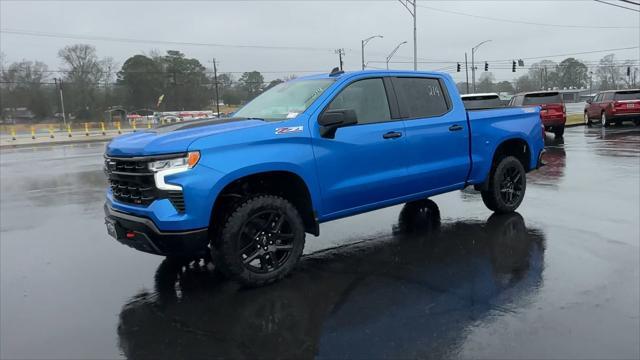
336, 71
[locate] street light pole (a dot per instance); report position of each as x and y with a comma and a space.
466, 70
473, 65
393, 53
412, 10
364, 42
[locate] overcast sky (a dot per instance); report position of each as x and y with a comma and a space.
318, 27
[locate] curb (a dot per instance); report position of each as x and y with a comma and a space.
54, 143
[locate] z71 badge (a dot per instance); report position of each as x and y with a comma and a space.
288, 130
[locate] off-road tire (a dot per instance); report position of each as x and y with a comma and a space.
226, 251
492, 197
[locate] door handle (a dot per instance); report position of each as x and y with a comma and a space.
455, 127
392, 135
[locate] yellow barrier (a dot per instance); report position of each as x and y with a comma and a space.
86, 129
118, 127
33, 133
133, 123
102, 127
148, 124
69, 129
162, 121
13, 133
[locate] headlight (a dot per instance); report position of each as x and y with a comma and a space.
188, 162
163, 168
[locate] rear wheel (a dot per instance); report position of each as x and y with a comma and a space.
587, 120
507, 185
559, 132
261, 241
603, 120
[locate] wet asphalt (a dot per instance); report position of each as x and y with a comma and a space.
440, 278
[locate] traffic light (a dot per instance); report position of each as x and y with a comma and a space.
513, 66
486, 66
458, 68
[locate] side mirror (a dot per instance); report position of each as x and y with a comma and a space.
589, 101
331, 120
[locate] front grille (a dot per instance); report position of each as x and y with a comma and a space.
132, 182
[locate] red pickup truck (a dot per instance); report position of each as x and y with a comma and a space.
613, 106
552, 111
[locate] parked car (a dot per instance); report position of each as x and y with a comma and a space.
613, 106
307, 151
482, 101
552, 111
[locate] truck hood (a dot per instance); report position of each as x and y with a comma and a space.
174, 138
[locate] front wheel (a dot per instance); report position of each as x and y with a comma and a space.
261, 241
507, 185
587, 120
603, 120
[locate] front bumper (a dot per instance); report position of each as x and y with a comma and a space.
142, 234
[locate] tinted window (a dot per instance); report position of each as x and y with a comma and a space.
367, 97
420, 97
627, 95
607, 96
481, 102
542, 98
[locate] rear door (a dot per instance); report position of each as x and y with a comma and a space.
594, 107
437, 134
363, 164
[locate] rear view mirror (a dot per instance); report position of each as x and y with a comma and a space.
589, 101
331, 120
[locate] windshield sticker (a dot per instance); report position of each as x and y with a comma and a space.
288, 130
292, 115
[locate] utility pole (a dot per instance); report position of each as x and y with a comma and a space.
466, 70
59, 86
340, 53
412, 10
364, 42
215, 81
473, 64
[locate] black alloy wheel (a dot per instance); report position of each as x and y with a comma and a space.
261, 240
507, 186
266, 241
511, 186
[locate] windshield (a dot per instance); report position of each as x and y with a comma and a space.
542, 98
285, 101
482, 102
627, 95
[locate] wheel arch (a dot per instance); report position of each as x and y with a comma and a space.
517, 147
285, 183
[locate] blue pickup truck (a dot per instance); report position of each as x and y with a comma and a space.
247, 189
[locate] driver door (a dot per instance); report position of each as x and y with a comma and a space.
363, 165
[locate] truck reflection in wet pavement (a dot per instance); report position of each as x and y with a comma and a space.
412, 293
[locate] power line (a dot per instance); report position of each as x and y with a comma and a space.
528, 22
616, 5
631, 2
569, 54
148, 41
